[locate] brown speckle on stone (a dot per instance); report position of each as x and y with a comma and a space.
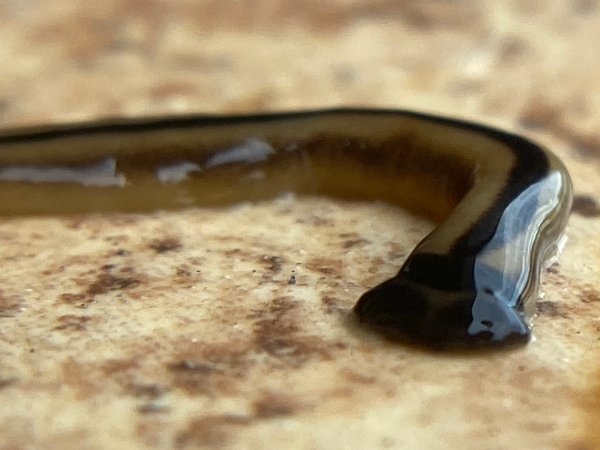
541, 113
274, 263
332, 305
292, 278
210, 431
107, 282
119, 365
326, 266
164, 245
72, 322
278, 334
358, 378
152, 408
203, 368
273, 405
6, 382
352, 240
586, 206
147, 390
71, 299
198, 367
9, 304
589, 295
551, 309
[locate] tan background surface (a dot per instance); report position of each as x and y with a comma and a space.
181, 330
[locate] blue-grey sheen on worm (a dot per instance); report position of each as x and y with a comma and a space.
501, 201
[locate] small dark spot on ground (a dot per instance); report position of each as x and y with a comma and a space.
210, 431
315, 220
543, 114
274, 263
273, 405
512, 48
119, 365
332, 305
292, 278
117, 239
193, 383
208, 368
72, 322
232, 252
586, 206
587, 146
187, 276
6, 382
152, 408
10, 305
282, 305
71, 299
540, 113
183, 271
551, 309
81, 377
167, 90
150, 391
325, 266
589, 295
358, 378
277, 339
54, 270
375, 264
396, 251
164, 245
107, 282
197, 367
277, 333
352, 240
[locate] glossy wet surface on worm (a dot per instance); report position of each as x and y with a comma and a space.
501, 202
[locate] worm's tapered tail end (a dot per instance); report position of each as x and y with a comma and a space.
403, 309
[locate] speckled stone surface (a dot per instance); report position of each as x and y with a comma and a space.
229, 328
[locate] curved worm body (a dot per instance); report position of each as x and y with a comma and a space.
500, 200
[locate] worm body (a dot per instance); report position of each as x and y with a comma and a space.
501, 202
